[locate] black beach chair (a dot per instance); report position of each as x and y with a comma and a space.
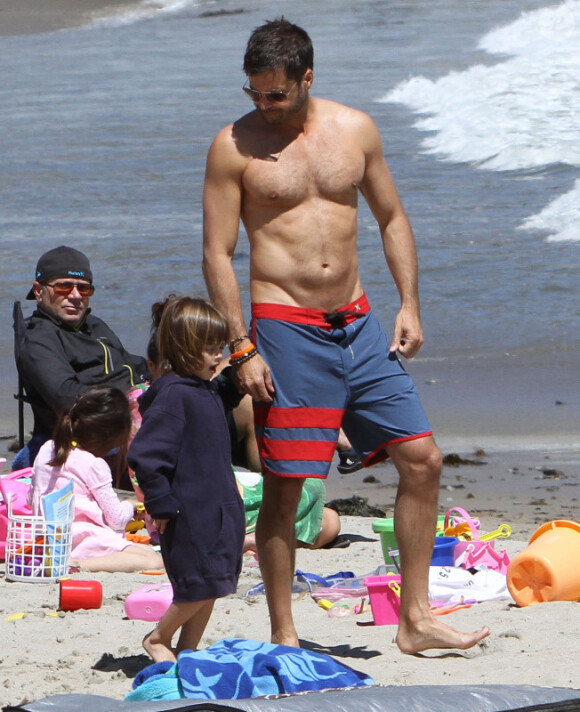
19, 328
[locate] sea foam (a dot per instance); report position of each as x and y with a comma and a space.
521, 113
145, 10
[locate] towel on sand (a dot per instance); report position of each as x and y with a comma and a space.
235, 669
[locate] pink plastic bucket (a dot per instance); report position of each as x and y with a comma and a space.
384, 592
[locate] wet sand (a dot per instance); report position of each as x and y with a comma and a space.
29, 17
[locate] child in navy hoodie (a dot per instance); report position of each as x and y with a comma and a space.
181, 458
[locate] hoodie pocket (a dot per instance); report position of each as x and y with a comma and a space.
225, 554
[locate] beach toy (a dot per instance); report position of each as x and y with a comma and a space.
74, 594
341, 585
547, 570
475, 550
474, 556
461, 531
385, 597
461, 525
37, 550
150, 602
502, 532
444, 551
27, 565
138, 538
14, 485
340, 610
386, 528
135, 525
324, 603
468, 535
394, 556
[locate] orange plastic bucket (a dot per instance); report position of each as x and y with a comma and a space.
547, 570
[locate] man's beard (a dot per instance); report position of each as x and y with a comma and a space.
277, 117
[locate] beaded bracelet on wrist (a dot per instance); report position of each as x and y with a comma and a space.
246, 357
237, 340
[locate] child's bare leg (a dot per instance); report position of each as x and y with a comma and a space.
135, 557
158, 643
250, 542
192, 630
329, 529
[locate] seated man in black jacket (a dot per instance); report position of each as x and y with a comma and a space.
65, 348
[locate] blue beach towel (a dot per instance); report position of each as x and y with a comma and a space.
234, 669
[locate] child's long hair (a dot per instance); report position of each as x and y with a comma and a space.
185, 327
98, 420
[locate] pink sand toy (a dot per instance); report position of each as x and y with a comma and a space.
478, 550
15, 484
150, 602
385, 595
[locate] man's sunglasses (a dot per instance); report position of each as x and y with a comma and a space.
64, 288
275, 96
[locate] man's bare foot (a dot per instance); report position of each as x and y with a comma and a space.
431, 633
157, 651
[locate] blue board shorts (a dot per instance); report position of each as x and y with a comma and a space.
330, 370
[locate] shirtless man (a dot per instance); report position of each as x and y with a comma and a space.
291, 170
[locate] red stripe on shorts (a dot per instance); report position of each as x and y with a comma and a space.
272, 417
286, 450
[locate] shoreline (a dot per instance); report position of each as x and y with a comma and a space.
522, 488
499, 403
30, 17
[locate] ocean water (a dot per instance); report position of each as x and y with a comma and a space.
104, 132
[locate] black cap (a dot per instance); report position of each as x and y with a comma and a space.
62, 262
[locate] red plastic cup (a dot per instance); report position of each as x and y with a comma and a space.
80, 594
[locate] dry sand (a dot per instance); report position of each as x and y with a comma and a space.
47, 652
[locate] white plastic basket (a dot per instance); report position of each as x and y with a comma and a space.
37, 551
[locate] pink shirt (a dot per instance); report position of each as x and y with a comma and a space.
100, 516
